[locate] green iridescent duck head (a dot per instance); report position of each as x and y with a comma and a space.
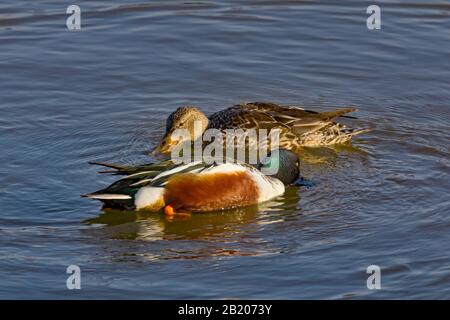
282, 164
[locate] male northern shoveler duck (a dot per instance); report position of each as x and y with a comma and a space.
197, 187
298, 127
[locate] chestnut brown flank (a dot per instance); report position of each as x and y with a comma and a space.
209, 192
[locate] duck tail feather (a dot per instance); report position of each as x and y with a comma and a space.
348, 117
109, 165
354, 132
330, 115
106, 196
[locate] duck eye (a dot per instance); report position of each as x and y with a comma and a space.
181, 124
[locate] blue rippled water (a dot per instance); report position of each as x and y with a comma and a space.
103, 94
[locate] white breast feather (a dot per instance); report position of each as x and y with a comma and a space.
269, 187
148, 196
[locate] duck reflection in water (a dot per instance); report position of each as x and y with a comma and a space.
237, 232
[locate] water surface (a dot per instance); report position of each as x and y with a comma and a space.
103, 94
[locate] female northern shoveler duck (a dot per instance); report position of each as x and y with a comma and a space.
298, 127
197, 187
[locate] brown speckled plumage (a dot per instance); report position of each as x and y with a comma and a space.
298, 127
